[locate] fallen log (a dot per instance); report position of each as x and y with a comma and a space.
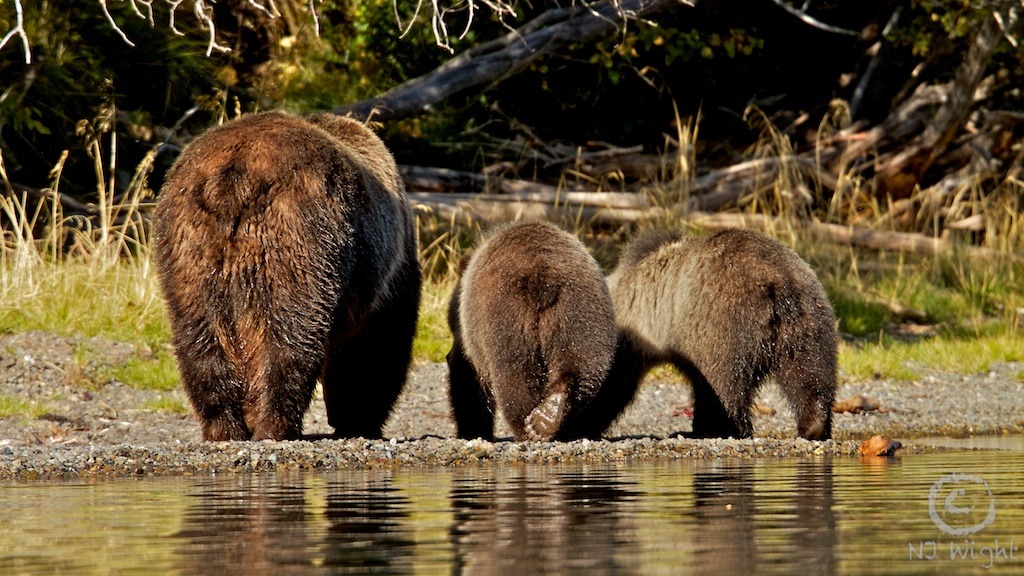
619, 209
711, 192
898, 175
593, 208
907, 242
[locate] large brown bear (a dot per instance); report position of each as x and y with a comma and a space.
729, 310
533, 332
287, 253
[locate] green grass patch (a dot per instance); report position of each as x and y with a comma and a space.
166, 405
110, 290
890, 357
11, 407
433, 338
858, 316
119, 301
967, 310
156, 372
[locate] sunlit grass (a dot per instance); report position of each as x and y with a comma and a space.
119, 301
98, 280
13, 407
889, 357
433, 338
157, 372
908, 313
166, 405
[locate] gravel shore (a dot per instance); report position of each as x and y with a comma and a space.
112, 428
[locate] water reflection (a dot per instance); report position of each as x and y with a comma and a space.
251, 524
815, 537
724, 511
538, 522
733, 510
274, 525
368, 529
782, 516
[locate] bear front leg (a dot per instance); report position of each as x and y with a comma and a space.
365, 373
212, 387
472, 406
711, 419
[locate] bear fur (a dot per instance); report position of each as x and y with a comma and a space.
533, 332
729, 310
287, 254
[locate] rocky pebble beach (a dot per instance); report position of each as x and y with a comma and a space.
112, 428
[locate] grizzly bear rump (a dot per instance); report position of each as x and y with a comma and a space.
287, 254
730, 310
533, 333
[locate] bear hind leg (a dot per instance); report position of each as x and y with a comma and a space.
213, 388
361, 383
616, 393
285, 396
810, 390
545, 420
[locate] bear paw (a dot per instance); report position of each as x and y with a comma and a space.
545, 420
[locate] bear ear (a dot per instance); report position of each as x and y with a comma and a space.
647, 242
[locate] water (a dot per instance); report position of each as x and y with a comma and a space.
782, 516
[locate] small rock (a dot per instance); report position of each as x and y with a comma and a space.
879, 445
857, 404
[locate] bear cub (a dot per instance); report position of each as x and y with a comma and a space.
729, 310
534, 334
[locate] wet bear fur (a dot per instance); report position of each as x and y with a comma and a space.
287, 254
729, 310
533, 332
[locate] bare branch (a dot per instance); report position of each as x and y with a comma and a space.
173, 4
1005, 26
802, 14
19, 31
876, 58
398, 17
110, 19
203, 13
148, 16
315, 16
501, 8
507, 55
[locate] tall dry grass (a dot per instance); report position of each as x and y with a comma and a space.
86, 274
953, 310
93, 275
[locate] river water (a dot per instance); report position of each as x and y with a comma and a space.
946, 513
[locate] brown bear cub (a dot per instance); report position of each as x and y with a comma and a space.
533, 332
287, 254
729, 310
